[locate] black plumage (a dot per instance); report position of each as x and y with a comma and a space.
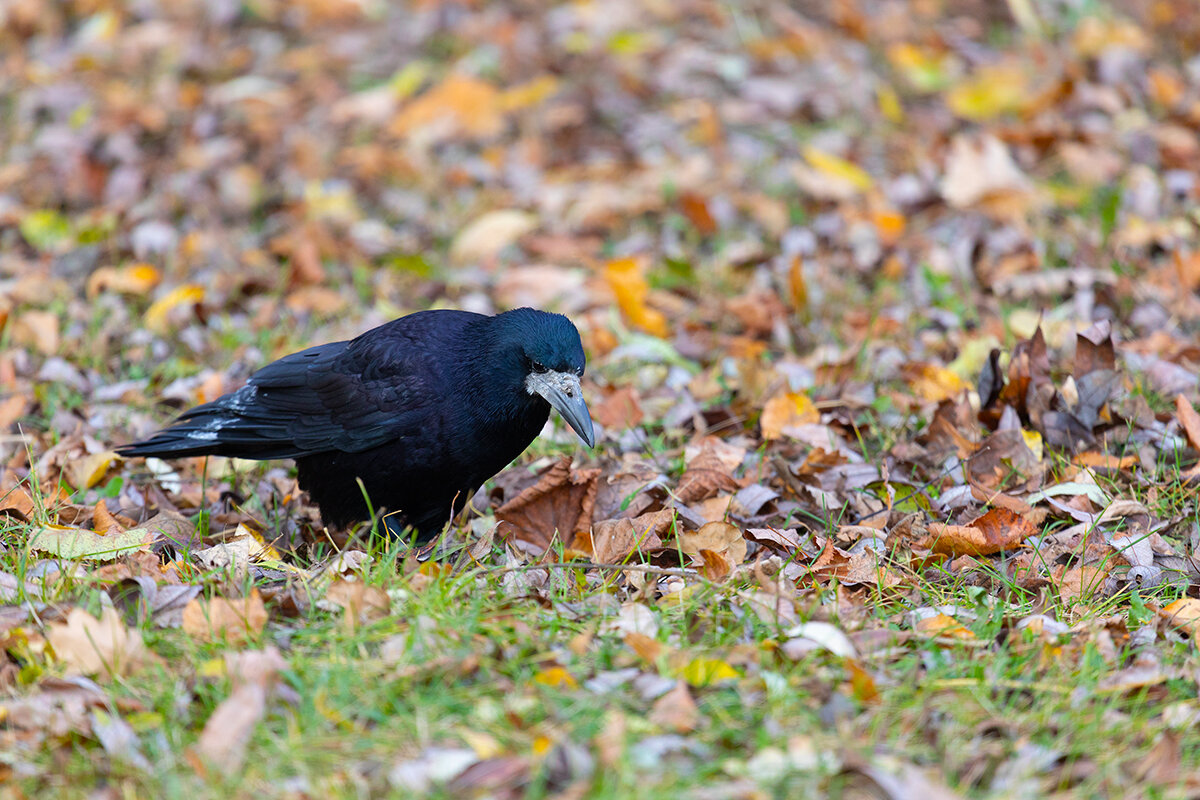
422, 410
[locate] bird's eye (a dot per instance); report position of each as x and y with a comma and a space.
539, 366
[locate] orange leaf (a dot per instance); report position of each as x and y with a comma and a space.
624, 276
998, 529
785, 410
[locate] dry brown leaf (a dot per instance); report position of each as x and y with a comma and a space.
17, 501
709, 470
998, 529
555, 508
717, 537
1079, 583
223, 741
676, 711
91, 646
361, 603
11, 408
619, 409
613, 540
103, 522
233, 621
1184, 614
1189, 419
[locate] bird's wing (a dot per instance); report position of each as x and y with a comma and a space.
347, 396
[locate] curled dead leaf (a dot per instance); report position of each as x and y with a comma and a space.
554, 509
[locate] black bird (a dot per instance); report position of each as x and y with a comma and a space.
422, 410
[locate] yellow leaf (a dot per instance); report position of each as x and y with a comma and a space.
701, 671
156, 314
942, 626
838, 168
530, 94
785, 410
889, 103
556, 677
932, 382
988, 93
407, 80
624, 276
1033, 440
135, 279
484, 744
925, 70
90, 469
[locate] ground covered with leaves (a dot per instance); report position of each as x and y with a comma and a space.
891, 320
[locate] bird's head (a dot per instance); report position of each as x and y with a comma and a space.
551, 361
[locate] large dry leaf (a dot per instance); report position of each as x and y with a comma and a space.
459, 106
91, 646
718, 537
223, 741
613, 540
709, 470
785, 410
233, 621
998, 529
554, 509
80, 543
58, 707
362, 603
625, 278
676, 711
485, 237
980, 168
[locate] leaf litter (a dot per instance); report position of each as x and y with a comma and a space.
890, 316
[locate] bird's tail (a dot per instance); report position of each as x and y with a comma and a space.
227, 426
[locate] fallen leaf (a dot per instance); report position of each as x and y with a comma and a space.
998, 529
709, 470
554, 509
625, 278
80, 543
614, 540
91, 646
459, 106
676, 710
786, 409
133, 279
362, 603
155, 318
483, 238
705, 671
17, 500
227, 731
233, 621
979, 168
556, 677
1184, 614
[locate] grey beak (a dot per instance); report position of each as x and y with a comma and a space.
562, 391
